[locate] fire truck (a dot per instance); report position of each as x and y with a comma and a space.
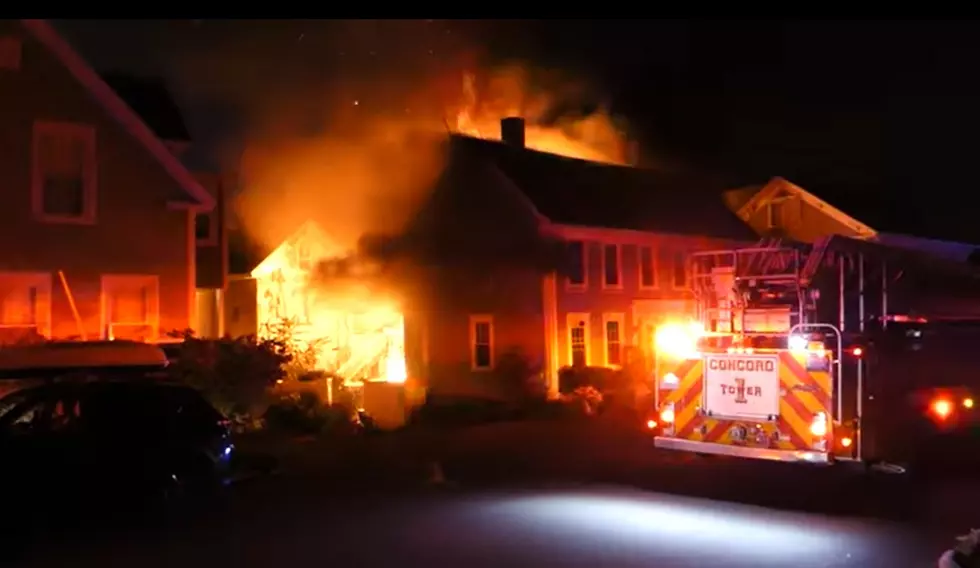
839, 351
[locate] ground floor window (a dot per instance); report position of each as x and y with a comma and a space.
578, 339
131, 306
25, 305
481, 342
613, 338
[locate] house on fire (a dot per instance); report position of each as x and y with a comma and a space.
100, 214
563, 261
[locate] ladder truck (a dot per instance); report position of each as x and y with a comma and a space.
792, 356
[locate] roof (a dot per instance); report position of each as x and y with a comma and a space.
777, 187
65, 355
151, 100
116, 108
577, 192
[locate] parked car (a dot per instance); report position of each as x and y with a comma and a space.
95, 431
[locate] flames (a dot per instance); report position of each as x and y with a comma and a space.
506, 92
345, 328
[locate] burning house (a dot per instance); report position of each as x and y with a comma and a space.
515, 255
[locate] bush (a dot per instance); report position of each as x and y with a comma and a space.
522, 380
235, 374
304, 413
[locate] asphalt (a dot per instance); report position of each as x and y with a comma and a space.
282, 521
534, 497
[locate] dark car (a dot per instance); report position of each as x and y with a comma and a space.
118, 440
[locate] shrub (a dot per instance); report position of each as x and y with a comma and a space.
522, 379
235, 374
305, 413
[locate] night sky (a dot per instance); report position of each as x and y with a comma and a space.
887, 111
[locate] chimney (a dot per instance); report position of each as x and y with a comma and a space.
512, 131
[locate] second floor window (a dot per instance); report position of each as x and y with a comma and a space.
577, 265
680, 270
610, 266
648, 269
64, 172
203, 228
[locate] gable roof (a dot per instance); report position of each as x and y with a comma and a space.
779, 186
577, 192
151, 100
117, 109
308, 230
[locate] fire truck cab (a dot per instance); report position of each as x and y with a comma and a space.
787, 358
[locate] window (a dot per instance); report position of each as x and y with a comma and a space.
611, 276
680, 270
63, 188
577, 265
10, 52
25, 306
131, 306
481, 343
578, 340
647, 259
304, 257
613, 329
205, 230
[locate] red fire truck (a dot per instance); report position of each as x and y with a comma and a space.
809, 354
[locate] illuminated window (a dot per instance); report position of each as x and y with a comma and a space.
613, 324
577, 264
481, 342
131, 306
25, 300
64, 169
578, 339
647, 260
611, 276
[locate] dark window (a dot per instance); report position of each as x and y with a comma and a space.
202, 226
610, 265
648, 272
680, 270
482, 345
576, 263
61, 165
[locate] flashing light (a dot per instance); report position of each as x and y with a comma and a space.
651, 424
678, 340
942, 408
857, 351
667, 414
967, 403
846, 442
798, 343
818, 427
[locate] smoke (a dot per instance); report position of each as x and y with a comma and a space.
352, 134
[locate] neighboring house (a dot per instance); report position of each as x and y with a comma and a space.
152, 101
563, 261
99, 215
783, 209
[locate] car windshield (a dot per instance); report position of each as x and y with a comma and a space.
11, 401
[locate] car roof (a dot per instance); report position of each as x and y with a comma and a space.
64, 356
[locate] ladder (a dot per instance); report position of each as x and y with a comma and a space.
814, 260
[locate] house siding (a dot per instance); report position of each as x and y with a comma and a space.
135, 232
641, 308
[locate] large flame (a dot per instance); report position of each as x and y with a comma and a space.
350, 331
594, 137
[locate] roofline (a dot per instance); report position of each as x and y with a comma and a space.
778, 183
118, 109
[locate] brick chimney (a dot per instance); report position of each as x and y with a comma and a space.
512, 131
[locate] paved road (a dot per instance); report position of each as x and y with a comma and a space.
278, 522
